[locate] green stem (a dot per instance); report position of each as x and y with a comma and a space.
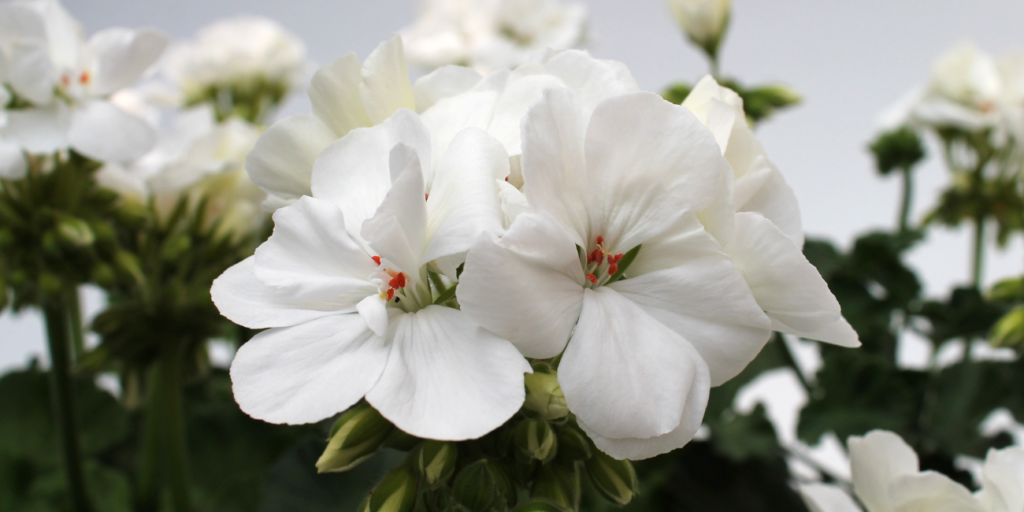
714, 65
164, 448
908, 194
979, 251
74, 307
58, 337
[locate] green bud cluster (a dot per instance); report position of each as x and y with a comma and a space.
900, 149
538, 461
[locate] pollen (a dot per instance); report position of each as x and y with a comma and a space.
84, 78
592, 278
376, 259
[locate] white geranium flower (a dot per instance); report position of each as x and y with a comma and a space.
62, 83
759, 226
642, 352
887, 478
704, 21
238, 51
343, 287
492, 34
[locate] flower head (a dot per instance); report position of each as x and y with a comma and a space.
704, 21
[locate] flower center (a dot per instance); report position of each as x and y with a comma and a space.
601, 265
390, 283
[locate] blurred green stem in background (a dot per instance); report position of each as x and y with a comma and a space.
979, 251
56, 311
908, 195
164, 456
74, 307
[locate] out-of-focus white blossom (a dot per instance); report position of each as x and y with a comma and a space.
242, 52
887, 478
704, 21
492, 34
61, 84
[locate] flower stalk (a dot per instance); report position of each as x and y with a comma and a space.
164, 456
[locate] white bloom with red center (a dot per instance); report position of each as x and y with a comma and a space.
887, 478
343, 287
641, 352
757, 221
66, 82
345, 95
492, 34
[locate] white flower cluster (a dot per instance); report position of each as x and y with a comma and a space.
55, 86
887, 478
431, 237
492, 34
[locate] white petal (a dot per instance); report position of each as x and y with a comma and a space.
245, 300
526, 287
309, 372
704, 299
933, 492
447, 378
12, 160
103, 132
443, 82
397, 231
827, 498
595, 80
375, 313
32, 74
554, 170
765, 191
706, 93
385, 88
355, 171
876, 460
693, 415
39, 130
513, 202
785, 284
521, 92
624, 374
1003, 480
281, 163
123, 55
334, 93
464, 203
649, 162
310, 256
471, 109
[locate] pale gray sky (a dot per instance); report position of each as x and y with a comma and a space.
849, 60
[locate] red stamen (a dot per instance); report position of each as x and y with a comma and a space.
426, 196
391, 294
600, 240
594, 256
376, 259
398, 281
84, 77
66, 80
612, 269
612, 260
592, 278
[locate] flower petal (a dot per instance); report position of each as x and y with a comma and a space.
385, 88
443, 82
308, 372
554, 169
624, 374
787, 287
447, 378
281, 163
827, 498
31, 73
311, 257
375, 312
12, 160
123, 55
39, 130
464, 202
526, 287
104, 132
334, 93
877, 459
931, 491
765, 191
245, 300
397, 231
1003, 479
649, 162
595, 80
703, 298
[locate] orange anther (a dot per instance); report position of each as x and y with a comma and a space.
391, 294
592, 278
376, 259
84, 77
612, 269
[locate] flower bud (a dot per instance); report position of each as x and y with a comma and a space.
129, 265
541, 505
559, 484
74, 232
704, 21
355, 437
176, 247
536, 439
105, 233
483, 486
1007, 290
544, 395
103, 275
1009, 330
900, 149
614, 479
573, 445
401, 441
436, 461
395, 493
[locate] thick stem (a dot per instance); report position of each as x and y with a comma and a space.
908, 195
58, 337
164, 456
714, 65
74, 307
979, 251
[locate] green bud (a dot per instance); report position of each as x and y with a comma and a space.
1007, 290
365, 505
129, 265
177, 246
103, 275
395, 493
897, 150
544, 395
559, 484
573, 445
541, 505
483, 486
105, 233
355, 437
1009, 330
436, 461
401, 441
75, 232
677, 93
49, 284
536, 439
614, 479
